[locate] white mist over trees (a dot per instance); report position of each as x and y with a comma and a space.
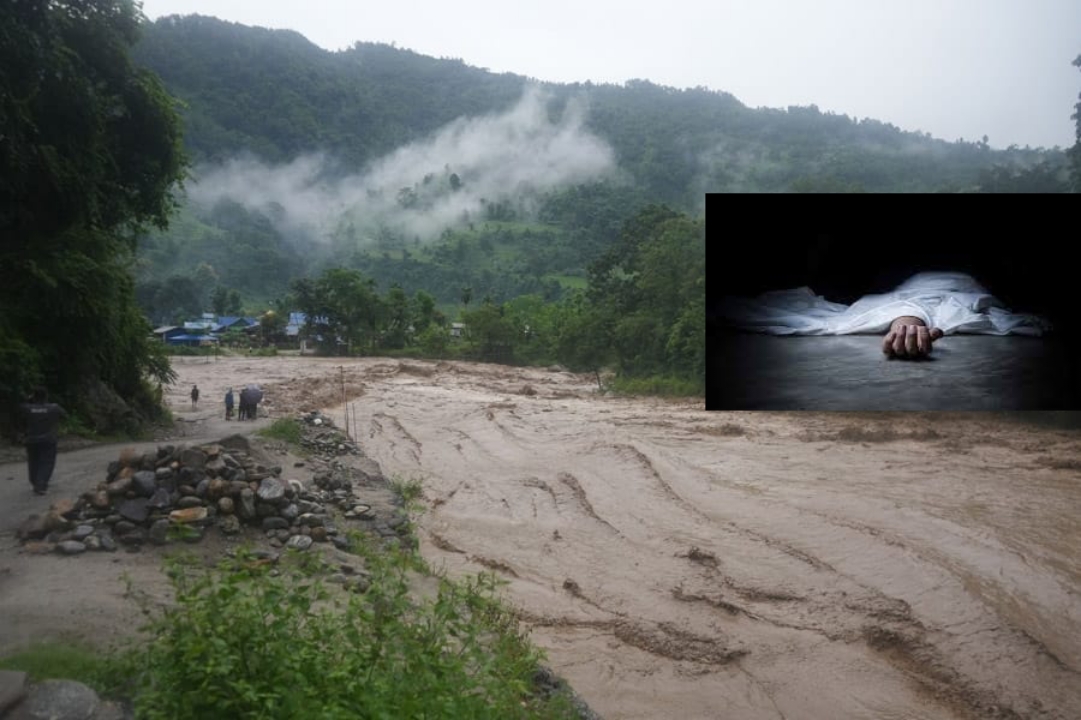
427, 186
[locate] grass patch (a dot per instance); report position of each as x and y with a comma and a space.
59, 661
288, 430
657, 385
409, 490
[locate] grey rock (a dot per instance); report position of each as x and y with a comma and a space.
82, 532
272, 491
135, 537
163, 473
58, 700
202, 486
107, 543
263, 510
189, 501
134, 510
159, 532
275, 523
144, 483
246, 508
226, 506
93, 542
193, 459
310, 520
299, 542
124, 527
159, 500
290, 512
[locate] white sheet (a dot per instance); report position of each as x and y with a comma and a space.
952, 302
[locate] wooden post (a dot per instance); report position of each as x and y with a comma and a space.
345, 405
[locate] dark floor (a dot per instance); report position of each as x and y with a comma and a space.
965, 372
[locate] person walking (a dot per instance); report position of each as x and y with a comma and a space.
229, 404
194, 396
41, 419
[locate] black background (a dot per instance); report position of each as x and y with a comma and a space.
1022, 248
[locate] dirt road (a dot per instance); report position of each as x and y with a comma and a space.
680, 563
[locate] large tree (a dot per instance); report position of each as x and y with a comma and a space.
90, 147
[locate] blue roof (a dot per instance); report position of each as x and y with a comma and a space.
190, 338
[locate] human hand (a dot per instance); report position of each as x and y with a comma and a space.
909, 338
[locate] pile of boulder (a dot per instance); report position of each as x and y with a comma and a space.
324, 439
179, 493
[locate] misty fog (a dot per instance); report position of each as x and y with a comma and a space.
421, 188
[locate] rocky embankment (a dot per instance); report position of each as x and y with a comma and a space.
228, 492
180, 493
188, 493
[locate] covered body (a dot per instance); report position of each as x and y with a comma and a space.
950, 301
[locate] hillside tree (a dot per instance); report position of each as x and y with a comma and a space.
90, 150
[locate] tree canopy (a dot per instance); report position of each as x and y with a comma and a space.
90, 146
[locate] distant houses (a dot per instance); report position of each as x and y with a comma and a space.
212, 331
206, 331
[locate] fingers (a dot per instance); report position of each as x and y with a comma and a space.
923, 341
910, 341
899, 341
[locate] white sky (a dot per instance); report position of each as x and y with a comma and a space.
953, 68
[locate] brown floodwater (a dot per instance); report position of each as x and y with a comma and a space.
677, 563
680, 563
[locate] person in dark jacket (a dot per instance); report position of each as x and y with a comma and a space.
229, 404
41, 419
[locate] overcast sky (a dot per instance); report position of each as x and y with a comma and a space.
953, 68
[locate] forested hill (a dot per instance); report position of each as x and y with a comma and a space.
433, 175
273, 93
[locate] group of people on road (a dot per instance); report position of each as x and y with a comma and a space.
41, 423
248, 406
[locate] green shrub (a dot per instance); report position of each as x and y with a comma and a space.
249, 641
287, 429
